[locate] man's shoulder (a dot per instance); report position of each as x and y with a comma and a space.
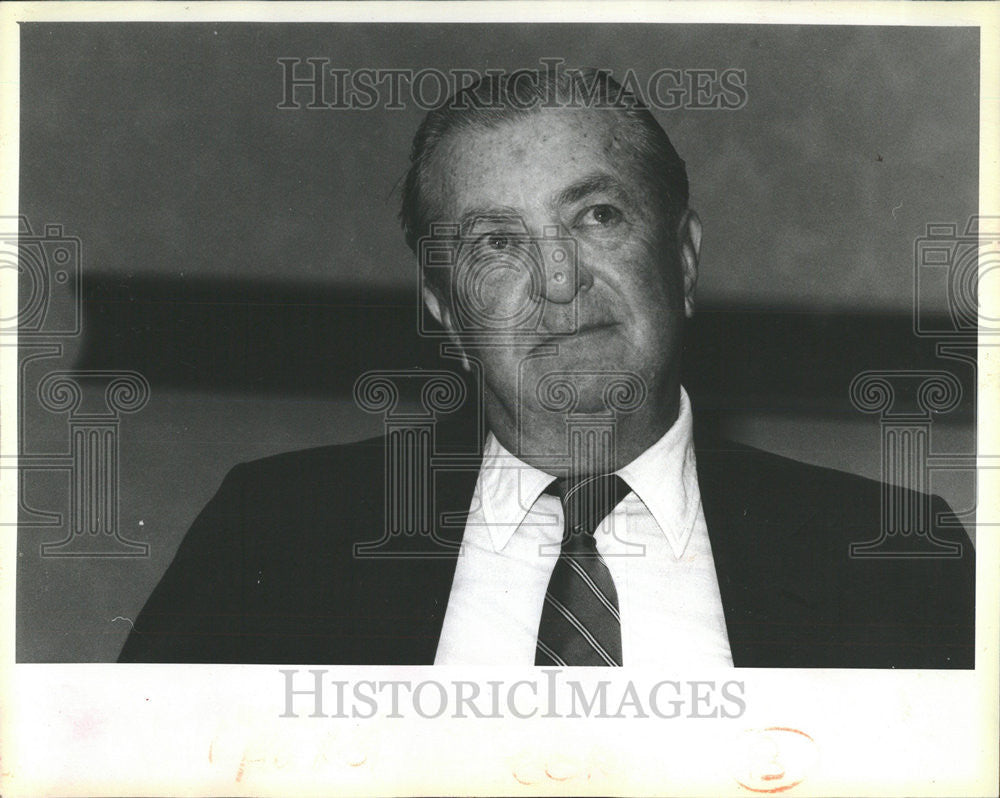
822, 568
840, 510
300, 491
346, 460
358, 467
777, 484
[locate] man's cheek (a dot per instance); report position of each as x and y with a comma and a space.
657, 270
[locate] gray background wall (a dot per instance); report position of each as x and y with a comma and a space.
198, 203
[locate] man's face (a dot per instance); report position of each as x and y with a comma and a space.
574, 174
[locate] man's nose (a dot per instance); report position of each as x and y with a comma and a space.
564, 275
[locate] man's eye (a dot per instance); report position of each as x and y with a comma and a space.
603, 215
497, 242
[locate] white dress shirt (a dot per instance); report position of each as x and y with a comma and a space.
655, 545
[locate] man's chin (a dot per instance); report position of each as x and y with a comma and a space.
584, 383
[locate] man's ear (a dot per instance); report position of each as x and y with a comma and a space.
441, 312
689, 238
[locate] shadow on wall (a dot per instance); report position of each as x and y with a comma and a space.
314, 340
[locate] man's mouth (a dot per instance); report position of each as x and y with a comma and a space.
583, 331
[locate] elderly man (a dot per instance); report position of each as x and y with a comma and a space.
597, 526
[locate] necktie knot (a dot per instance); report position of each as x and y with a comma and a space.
586, 502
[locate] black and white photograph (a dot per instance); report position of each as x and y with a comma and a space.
525, 372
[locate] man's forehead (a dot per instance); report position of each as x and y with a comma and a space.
529, 160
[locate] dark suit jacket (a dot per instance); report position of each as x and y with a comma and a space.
267, 573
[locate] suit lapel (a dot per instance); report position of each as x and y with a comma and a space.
413, 583
727, 527
760, 561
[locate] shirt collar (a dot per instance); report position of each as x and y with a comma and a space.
664, 478
507, 488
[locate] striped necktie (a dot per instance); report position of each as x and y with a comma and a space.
580, 624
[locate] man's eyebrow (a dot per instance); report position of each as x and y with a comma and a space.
489, 212
592, 184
